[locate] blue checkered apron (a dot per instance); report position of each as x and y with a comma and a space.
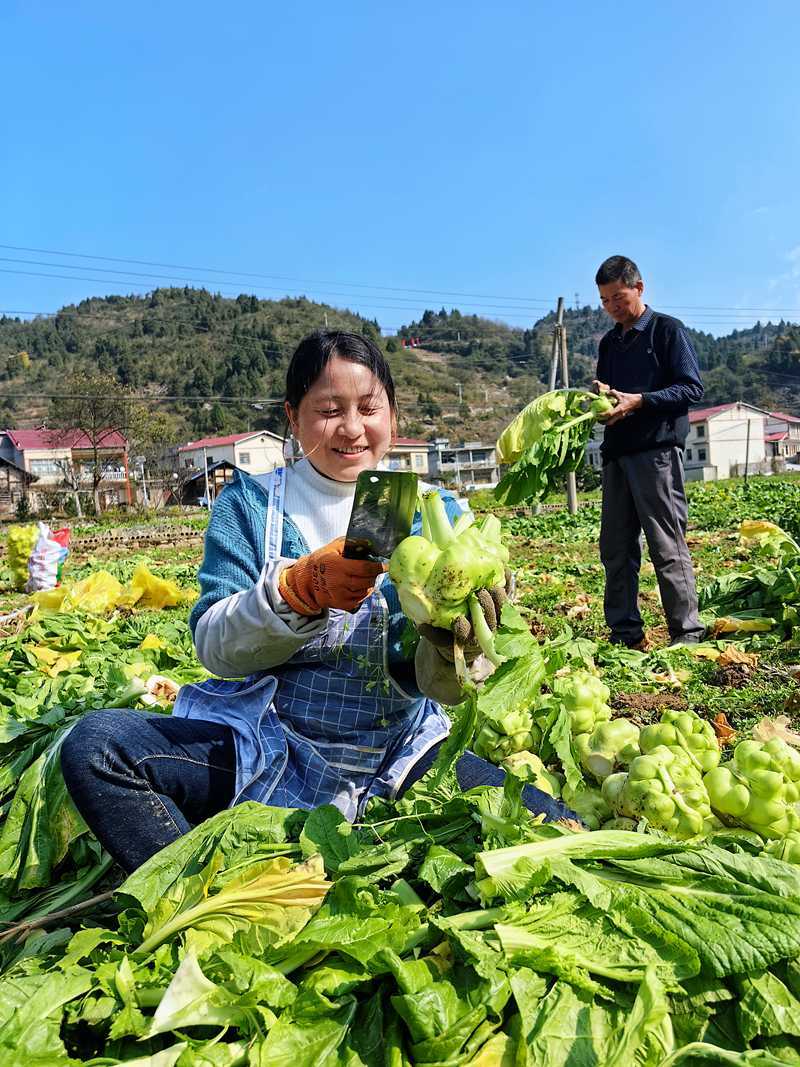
329, 726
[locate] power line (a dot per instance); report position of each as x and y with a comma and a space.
509, 312
147, 398
525, 300
277, 277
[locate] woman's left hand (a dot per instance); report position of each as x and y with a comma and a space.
491, 602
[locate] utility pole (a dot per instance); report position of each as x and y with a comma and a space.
460, 400
560, 363
205, 469
556, 341
326, 320
144, 486
747, 452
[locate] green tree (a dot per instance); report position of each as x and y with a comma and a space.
98, 407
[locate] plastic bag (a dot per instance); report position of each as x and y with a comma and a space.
47, 558
146, 590
98, 594
101, 593
21, 540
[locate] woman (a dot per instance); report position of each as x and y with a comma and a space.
333, 707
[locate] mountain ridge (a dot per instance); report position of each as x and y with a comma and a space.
466, 379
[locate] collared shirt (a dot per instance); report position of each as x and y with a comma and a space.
682, 362
640, 324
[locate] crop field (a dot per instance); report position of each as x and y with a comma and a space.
448, 928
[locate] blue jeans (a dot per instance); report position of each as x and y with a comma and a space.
472, 771
142, 781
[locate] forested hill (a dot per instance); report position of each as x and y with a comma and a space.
465, 379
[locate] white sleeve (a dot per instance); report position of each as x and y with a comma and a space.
254, 629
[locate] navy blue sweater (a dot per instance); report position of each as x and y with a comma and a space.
655, 358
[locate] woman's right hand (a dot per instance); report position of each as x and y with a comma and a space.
326, 579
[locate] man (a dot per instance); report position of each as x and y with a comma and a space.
647, 363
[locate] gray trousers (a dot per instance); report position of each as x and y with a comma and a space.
645, 492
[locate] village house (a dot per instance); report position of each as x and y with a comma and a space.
469, 466
257, 452
408, 454
783, 436
54, 458
726, 441
15, 483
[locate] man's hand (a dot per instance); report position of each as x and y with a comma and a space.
627, 403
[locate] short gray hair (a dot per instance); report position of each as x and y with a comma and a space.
618, 269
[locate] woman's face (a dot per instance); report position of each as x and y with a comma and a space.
344, 423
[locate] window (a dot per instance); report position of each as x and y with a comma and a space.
701, 429
701, 454
244, 457
689, 454
419, 462
45, 466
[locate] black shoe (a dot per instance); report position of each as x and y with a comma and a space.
638, 644
686, 639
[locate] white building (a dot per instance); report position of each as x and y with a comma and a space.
469, 466
256, 453
783, 436
726, 441
719, 444
408, 454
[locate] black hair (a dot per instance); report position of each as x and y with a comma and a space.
314, 353
618, 269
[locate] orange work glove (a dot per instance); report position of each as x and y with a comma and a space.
325, 579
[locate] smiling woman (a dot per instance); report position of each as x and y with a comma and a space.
340, 404
339, 698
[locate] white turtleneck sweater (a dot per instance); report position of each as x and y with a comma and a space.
318, 506
256, 629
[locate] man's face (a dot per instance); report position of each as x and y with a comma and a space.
622, 302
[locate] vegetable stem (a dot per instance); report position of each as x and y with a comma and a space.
441, 532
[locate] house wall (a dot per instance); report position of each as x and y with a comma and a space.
783, 426
472, 466
721, 444
43, 462
257, 456
790, 448
13, 486
407, 458
729, 441
194, 457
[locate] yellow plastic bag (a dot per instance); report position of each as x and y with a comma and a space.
146, 590
98, 594
50, 599
101, 593
21, 540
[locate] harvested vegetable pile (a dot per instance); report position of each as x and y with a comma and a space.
446, 929
53, 670
764, 596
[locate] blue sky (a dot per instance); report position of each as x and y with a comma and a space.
356, 151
